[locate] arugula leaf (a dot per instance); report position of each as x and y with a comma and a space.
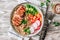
42, 4
24, 21
27, 30
48, 0
56, 23
46, 3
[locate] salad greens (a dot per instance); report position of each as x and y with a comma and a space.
27, 30
31, 10
24, 21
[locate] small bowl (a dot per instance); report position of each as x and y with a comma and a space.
54, 7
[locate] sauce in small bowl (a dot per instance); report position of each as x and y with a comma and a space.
56, 8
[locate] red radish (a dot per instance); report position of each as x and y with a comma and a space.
35, 26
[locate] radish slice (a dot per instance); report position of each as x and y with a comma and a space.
34, 26
32, 29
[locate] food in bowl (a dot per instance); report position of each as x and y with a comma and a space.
26, 19
56, 8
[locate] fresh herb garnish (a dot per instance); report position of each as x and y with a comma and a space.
31, 10
24, 21
42, 4
56, 23
27, 30
47, 1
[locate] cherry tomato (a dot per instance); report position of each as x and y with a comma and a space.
39, 17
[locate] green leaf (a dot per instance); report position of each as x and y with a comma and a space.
27, 30
24, 21
48, 0
42, 4
46, 3
56, 23
31, 9
28, 6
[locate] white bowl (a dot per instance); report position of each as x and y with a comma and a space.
39, 12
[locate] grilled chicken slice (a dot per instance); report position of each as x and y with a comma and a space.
16, 20
21, 10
